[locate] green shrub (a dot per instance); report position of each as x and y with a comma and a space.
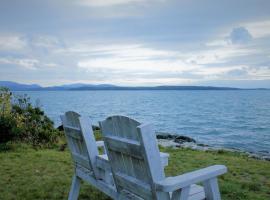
5, 103
20, 121
8, 128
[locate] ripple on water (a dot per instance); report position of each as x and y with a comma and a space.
239, 119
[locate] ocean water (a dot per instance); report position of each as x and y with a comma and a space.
231, 119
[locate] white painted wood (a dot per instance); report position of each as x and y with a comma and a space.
127, 157
151, 156
104, 166
196, 192
75, 188
181, 194
98, 184
151, 151
75, 140
211, 189
84, 151
173, 183
164, 159
90, 142
100, 143
133, 167
137, 166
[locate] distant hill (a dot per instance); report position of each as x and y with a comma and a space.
18, 86
24, 87
82, 86
76, 86
156, 88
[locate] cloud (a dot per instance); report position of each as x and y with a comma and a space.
259, 29
9, 42
237, 72
47, 42
127, 50
240, 35
103, 3
26, 63
132, 58
140, 63
50, 65
136, 62
111, 9
217, 42
217, 55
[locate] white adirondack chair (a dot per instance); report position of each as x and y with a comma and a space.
89, 165
138, 174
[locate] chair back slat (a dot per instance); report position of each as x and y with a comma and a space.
129, 156
121, 126
77, 140
126, 146
73, 132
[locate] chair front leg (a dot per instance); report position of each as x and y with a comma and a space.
211, 189
75, 188
181, 194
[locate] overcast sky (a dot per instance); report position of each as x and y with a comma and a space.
136, 42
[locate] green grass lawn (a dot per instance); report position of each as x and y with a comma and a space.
46, 174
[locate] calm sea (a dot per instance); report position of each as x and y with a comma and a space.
232, 119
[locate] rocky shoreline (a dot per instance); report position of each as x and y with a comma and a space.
181, 141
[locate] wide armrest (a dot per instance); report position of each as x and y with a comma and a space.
170, 184
100, 143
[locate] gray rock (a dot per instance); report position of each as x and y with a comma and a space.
181, 139
166, 136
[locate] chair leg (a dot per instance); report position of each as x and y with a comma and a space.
181, 194
75, 188
211, 189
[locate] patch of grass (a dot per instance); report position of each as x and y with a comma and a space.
39, 174
46, 174
98, 135
247, 178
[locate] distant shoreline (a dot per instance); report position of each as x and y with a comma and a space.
145, 89
13, 86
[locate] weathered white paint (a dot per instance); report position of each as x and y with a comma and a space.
84, 151
133, 167
137, 167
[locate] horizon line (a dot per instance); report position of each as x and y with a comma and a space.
107, 86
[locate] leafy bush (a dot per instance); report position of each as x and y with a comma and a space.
21, 121
7, 128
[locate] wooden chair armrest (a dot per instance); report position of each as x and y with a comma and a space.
100, 143
170, 184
